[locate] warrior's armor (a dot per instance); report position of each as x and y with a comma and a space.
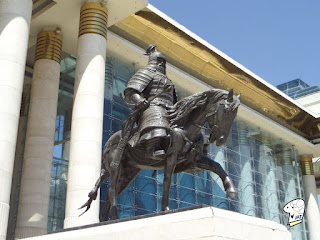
154, 91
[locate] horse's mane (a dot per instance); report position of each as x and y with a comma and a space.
182, 109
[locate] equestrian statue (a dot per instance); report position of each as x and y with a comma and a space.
163, 133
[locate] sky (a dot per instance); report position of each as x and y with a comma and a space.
279, 40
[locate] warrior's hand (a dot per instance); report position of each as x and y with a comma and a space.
140, 102
143, 105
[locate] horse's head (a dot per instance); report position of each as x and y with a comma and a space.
220, 116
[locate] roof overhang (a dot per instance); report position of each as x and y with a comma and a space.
198, 58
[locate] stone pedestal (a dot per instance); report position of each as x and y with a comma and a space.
204, 223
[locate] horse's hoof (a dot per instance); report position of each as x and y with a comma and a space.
114, 213
103, 218
231, 191
232, 195
166, 209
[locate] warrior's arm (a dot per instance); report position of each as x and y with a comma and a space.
136, 86
135, 97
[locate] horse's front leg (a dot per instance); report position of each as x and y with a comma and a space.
208, 164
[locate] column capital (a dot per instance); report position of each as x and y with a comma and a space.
243, 134
93, 19
103, 2
306, 164
287, 155
266, 139
49, 46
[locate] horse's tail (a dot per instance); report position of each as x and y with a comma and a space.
104, 174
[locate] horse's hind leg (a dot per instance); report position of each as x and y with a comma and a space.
208, 164
113, 190
127, 175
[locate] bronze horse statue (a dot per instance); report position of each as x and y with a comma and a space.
186, 150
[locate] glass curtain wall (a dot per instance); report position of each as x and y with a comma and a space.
59, 172
265, 169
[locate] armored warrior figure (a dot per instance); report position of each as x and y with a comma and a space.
153, 93
159, 134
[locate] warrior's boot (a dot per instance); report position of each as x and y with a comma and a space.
155, 148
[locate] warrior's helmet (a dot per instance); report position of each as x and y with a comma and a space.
151, 48
157, 60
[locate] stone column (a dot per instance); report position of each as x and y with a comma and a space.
15, 17
310, 192
36, 172
16, 178
220, 198
289, 179
290, 186
267, 166
245, 186
87, 115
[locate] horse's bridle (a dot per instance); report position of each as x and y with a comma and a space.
215, 127
205, 128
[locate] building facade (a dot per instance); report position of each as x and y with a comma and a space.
307, 96
70, 88
298, 88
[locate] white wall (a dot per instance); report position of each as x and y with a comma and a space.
311, 101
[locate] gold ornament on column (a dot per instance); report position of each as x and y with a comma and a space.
49, 46
93, 19
306, 165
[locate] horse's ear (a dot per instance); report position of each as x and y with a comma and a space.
239, 96
230, 96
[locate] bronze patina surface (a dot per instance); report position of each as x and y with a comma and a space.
162, 133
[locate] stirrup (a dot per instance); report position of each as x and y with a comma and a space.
156, 155
159, 153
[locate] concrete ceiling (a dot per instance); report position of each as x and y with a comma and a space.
66, 13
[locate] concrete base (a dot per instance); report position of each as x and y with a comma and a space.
204, 223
